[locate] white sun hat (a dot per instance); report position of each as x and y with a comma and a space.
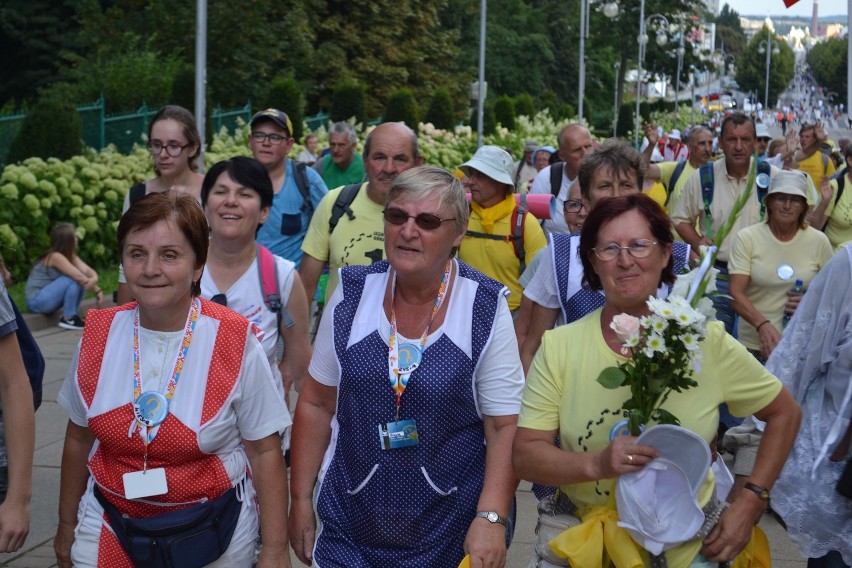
658, 505
492, 161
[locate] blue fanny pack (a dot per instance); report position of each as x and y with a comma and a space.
187, 538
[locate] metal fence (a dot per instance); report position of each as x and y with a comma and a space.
122, 129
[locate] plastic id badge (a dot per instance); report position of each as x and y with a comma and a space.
400, 434
147, 483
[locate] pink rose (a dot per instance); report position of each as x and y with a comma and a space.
626, 327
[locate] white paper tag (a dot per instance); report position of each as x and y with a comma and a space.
145, 483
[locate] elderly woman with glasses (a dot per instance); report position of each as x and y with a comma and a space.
237, 197
406, 419
175, 146
626, 251
769, 258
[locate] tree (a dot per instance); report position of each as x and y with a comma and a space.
504, 112
440, 112
285, 94
751, 66
828, 62
52, 129
32, 32
401, 107
348, 102
524, 105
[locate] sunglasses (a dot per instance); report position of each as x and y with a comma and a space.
426, 221
220, 299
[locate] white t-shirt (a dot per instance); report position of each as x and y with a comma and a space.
541, 185
499, 377
246, 298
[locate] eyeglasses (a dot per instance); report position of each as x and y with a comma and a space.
639, 248
573, 206
220, 299
274, 139
426, 221
787, 200
172, 149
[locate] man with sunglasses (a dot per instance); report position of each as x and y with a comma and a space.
298, 189
358, 235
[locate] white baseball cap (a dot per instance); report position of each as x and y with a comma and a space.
761, 131
675, 133
658, 505
492, 161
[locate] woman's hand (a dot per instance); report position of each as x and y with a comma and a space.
486, 544
733, 531
622, 456
769, 338
302, 529
792, 303
14, 525
826, 191
99, 298
62, 544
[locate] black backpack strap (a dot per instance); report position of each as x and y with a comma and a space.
556, 178
763, 169
708, 181
137, 192
341, 205
516, 237
673, 180
300, 176
840, 177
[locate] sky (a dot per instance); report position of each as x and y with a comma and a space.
777, 8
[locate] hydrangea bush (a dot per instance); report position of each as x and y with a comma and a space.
88, 190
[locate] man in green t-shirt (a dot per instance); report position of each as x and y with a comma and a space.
342, 165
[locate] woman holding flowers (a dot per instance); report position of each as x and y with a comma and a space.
625, 249
769, 257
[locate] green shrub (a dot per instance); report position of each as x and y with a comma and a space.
504, 112
489, 122
524, 105
440, 113
52, 129
402, 107
285, 94
626, 117
348, 100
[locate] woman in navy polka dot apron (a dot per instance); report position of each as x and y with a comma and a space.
405, 423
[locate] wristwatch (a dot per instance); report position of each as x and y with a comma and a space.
761, 492
493, 517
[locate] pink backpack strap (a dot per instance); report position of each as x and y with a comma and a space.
269, 286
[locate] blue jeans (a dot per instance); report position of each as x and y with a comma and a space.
830, 560
63, 293
725, 314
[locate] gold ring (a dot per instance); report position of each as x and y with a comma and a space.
630, 458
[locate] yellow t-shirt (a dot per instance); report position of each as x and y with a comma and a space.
666, 171
758, 254
562, 394
817, 166
657, 192
354, 241
496, 258
839, 213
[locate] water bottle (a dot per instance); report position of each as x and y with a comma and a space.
797, 290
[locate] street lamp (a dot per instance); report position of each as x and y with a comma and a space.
610, 10
617, 66
681, 51
692, 101
662, 39
766, 47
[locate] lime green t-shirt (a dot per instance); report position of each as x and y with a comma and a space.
839, 213
354, 241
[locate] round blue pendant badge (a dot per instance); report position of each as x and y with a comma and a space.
151, 408
762, 180
409, 358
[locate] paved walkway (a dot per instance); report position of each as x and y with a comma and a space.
58, 346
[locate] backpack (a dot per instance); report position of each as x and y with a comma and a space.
31, 355
708, 183
137, 192
341, 205
556, 178
269, 286
519, 214
673, 180
300, 176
